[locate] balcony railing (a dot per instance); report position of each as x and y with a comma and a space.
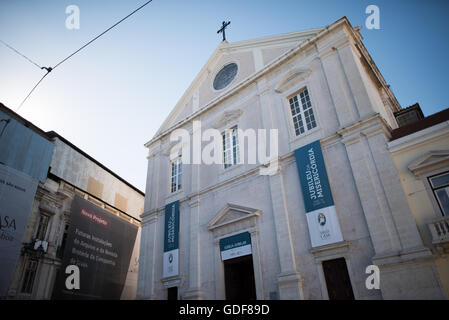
440, 230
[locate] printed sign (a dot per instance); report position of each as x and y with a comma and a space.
171, 240
235, 246
322, 218
24, 149
100, 244
17, 191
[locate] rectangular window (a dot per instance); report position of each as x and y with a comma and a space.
302, 112
176, 174
30, 274
42, 227
440, 188
230, 148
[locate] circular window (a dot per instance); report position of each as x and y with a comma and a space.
225, 76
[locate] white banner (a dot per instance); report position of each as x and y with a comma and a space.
236, 252
17, 192
324, 227
170, 263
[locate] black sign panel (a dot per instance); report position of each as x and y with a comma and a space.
101, 245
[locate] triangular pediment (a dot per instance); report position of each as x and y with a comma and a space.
429, 159
291, 77
230, 214
226, 118
251, 56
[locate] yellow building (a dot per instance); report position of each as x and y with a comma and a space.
420, 153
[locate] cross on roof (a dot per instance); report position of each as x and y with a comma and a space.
222, 29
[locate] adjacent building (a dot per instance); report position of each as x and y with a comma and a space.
81, 214
307, 221
420, 152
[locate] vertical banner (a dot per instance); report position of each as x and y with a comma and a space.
171, 240
100, 244
17, 191
322, 219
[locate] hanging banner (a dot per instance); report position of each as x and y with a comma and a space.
100, 244
23, 148
17, 191
235, 246
322, 219
171, 240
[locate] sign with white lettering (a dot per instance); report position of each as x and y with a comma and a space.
17, 192
171, 240
322, 218
100, 244
235, 246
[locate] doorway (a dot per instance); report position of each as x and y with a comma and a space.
239, 278
172, 293
337, 279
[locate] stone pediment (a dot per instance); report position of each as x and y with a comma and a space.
226, 118
291, 77
251, 56
430, 160
230, 214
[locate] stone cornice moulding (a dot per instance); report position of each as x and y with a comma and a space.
370, 126
296, 75
226, 118
150, 216
276, 40
420, 137
242, 213
428, 161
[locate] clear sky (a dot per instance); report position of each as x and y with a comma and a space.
111, 98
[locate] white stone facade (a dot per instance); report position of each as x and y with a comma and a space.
353, 107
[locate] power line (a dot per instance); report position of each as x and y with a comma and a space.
102, 33
49, 69
32, 91
24, 56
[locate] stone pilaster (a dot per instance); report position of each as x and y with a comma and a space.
399, 251
289, 281
147, 259
194, 291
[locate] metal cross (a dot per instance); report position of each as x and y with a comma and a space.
222, 29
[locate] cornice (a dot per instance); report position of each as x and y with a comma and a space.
418, 138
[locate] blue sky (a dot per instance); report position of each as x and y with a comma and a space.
111, 98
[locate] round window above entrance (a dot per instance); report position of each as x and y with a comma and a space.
225, 76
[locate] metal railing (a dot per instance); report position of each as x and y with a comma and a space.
440, 230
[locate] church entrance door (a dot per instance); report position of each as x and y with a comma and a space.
239, 278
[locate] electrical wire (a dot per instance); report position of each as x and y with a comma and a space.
21, 104
24, 56
117, 23
49, 69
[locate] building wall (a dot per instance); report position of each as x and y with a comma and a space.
73, 167
419, 146
354, 121
72, 173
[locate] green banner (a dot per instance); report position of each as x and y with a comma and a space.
171, 239
313, 177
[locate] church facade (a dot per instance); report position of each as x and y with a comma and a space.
323, 216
